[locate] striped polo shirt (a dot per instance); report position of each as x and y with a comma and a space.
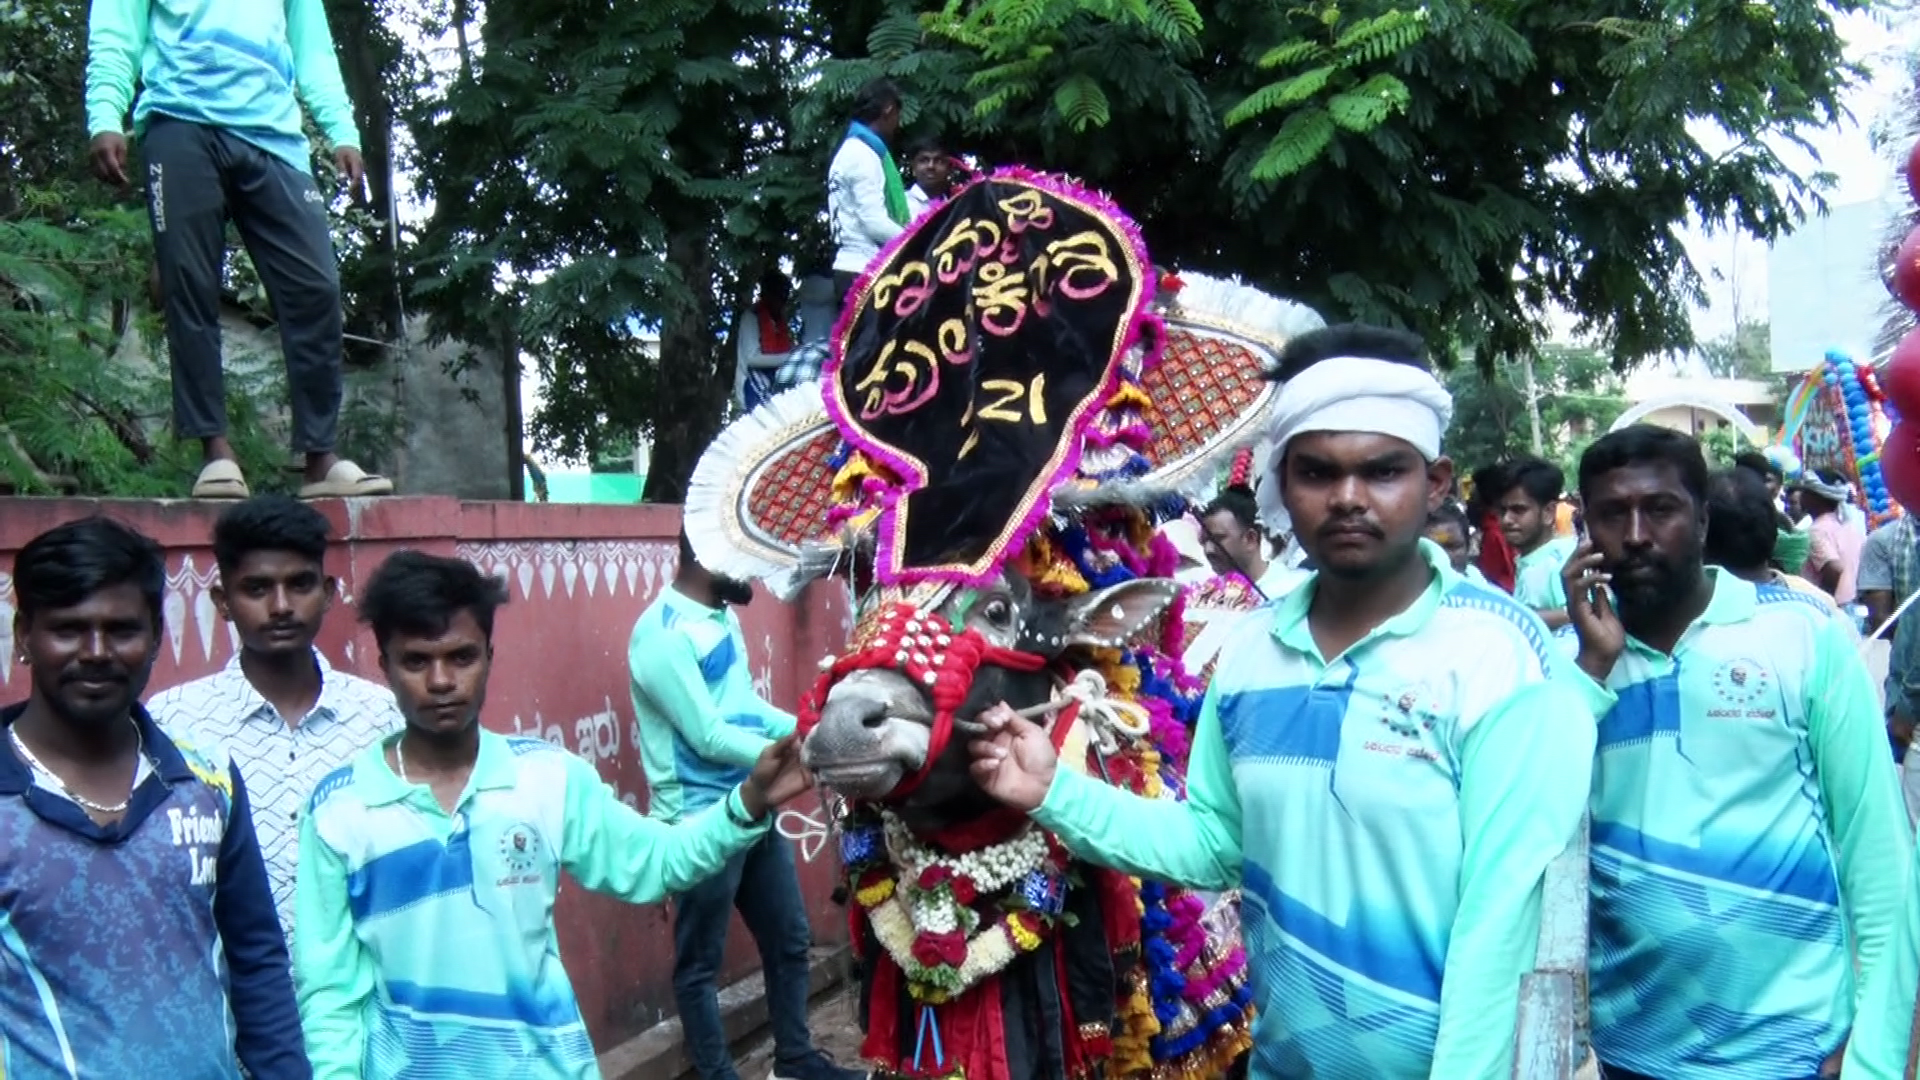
427, 944
1748, 836
1389, 814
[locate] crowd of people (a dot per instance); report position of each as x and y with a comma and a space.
1754, 914
284, 871
290, 870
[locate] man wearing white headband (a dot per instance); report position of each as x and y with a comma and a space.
1385, 767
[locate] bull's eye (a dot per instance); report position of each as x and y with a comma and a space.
999, 611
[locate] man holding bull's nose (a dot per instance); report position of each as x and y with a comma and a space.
1385, 768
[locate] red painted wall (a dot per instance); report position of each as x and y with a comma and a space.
579, 577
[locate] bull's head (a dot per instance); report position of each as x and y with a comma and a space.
876, 723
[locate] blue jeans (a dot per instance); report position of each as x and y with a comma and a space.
764, 885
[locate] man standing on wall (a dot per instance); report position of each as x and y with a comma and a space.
140, 938
429, 866
286, 717
1749, 846
1526, 510
866, 201
701, 726
219, 124
1415, 727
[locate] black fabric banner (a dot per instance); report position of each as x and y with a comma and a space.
976, 355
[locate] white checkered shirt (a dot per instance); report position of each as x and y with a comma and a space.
282, 765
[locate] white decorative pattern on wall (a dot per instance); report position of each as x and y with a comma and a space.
539, 568
186, 606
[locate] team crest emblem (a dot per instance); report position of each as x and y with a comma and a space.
1742, 683
1409, 714
520, 850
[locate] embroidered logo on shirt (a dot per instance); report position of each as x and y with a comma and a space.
1741, 685
520, 854
1406, 717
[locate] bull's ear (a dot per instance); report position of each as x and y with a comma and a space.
1108, 618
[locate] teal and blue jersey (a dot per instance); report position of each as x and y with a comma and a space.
427, 944
1536, 575
1883, 1028
144, 948
1388, 813
240, 65
702, 723
1749, 841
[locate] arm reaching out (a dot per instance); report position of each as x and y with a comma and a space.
1194, 843
613, 848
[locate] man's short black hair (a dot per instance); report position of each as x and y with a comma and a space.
1760, 465
1740, 528
1646, 444
1541, 480
1489, 483
1353, 340
1238, 501
926, 144
417, 593
269, 523
874, 99
68, 563
1451, 513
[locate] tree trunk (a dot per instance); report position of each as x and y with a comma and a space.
688, 391
367, 51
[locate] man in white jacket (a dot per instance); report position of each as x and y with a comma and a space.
866, 200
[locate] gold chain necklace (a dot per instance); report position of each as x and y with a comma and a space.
139, 751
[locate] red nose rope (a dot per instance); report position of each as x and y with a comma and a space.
926, 649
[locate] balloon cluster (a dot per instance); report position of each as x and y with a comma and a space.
1899, 460
1865, 426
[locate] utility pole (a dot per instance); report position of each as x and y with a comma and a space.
1531, 389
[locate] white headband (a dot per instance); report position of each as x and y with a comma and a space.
1352, 393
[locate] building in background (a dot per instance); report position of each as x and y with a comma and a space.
1824, 284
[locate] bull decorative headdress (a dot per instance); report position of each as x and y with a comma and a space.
1146, 388
1013, 385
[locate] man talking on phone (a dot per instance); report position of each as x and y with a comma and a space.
1743, 812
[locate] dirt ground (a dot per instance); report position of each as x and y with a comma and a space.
836, 1031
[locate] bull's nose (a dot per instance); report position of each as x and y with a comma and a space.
872, 714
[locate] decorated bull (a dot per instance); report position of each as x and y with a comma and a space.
1013, 395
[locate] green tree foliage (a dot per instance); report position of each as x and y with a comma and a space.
1744, 353
1543, 158
609, 181
1579, 397
605, 179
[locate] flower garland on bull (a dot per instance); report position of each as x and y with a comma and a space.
949, 917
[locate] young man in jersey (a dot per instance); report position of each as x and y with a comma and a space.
1749, 841
284, 714
1385, 772
702, 725
1526, 510
222, 138
137, 934
428, 867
